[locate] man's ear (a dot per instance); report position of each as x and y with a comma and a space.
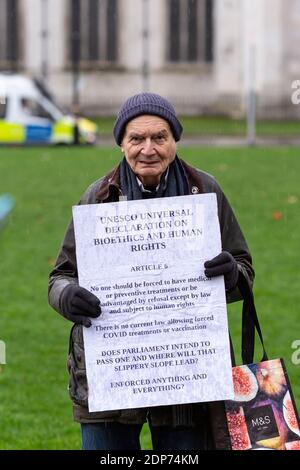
122, 150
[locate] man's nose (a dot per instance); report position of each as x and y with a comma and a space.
148, 147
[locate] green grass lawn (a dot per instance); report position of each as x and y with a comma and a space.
206, 125
263, 188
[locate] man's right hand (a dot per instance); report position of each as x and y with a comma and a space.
78, 304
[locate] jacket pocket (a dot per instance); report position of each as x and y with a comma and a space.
78, 387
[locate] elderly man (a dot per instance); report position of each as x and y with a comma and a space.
147, 130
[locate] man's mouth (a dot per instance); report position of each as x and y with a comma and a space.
150, 162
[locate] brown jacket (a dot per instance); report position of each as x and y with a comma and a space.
107, 189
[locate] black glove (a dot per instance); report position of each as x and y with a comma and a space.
78, 304
223, 264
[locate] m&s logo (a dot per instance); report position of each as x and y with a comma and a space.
262, 421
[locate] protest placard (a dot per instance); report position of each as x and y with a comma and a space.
162, 337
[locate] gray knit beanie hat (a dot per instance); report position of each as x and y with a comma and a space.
146, 103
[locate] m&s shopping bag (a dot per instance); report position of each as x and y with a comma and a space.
263, 414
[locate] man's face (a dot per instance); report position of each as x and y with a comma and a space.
149, 147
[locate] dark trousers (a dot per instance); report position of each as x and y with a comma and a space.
117, 436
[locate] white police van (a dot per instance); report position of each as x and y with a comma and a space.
29, 115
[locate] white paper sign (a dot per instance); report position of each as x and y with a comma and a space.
162, 337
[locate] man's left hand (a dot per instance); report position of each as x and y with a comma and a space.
223, 264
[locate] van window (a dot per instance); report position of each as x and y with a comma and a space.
3, 105
34, 108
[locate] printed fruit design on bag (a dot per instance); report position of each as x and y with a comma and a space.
293, 445
238, 429
245, 384
262, 415
289, 414
271, 379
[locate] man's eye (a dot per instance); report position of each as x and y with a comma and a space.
136, 139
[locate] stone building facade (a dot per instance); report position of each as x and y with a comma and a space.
204, 55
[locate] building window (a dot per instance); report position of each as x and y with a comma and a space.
94, 31
190, 31
3, 106
9, 32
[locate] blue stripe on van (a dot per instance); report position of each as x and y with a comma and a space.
38, 133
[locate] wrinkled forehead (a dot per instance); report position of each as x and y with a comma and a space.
147, 124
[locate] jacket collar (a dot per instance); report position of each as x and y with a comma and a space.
110, 187
194, 179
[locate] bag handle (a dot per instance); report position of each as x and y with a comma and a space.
250, 322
